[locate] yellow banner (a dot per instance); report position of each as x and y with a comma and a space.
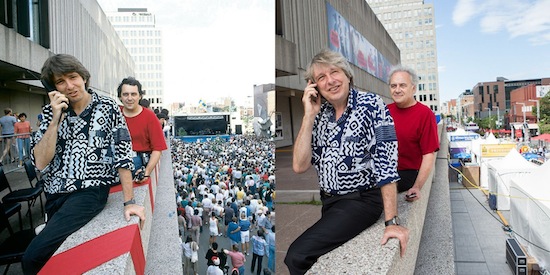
496, 150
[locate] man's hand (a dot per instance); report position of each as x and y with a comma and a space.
399, 232
311, 99
412, 194
134, 209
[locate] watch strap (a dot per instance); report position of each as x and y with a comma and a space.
131, 201
393, 221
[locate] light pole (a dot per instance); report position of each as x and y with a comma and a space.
490, 118
523, 110
498, 116
525, 126
538, 108
538, 113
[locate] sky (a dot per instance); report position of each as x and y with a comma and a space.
212, 48
215, 48
480, 40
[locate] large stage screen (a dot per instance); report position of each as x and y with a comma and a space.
201, 125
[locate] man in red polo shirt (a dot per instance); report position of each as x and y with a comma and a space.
147, 137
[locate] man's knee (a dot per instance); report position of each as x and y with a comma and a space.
296, 260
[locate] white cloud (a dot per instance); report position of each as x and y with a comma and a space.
516, 17
464, 11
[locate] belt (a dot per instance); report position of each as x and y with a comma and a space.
325, 195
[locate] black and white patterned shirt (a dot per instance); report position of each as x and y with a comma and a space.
357, 152
90, 147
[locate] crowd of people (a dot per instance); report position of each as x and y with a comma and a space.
226, 189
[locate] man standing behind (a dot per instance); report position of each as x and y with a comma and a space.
147, 138
416, 130
80, 147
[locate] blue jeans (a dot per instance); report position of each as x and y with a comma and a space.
260, 258
138, 162
271, 258
66, 214
24, 145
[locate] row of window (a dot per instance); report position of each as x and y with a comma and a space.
154, 100
141, 42
418, 55
416, 44
145, 50
147, 58
407, 24
407, 13
431, 86
140, 33
135, 18
412, 34
149, 67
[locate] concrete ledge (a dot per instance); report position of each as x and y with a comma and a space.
437, 234
95, 236
364, 252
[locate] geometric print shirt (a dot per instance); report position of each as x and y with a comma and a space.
90, 147
357, 152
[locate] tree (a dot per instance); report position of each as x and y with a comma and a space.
544, 105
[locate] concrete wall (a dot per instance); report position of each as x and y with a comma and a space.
79, 28
365, 253
304, 33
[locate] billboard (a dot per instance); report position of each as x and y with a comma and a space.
542, 90
345, 39
496, 150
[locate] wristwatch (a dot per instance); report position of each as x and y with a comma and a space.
131, 201
393, 221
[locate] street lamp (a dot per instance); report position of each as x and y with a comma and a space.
523, 110
525, 126
498, 116
490, 119
538, 108
538, 113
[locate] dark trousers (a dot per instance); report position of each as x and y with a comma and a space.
408, 177
343, 217
66, 214
260, 258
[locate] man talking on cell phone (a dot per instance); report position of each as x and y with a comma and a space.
350, 139
80, 152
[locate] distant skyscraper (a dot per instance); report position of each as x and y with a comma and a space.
136, 28
411, 24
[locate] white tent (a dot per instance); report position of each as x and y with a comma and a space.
501, 172
479, 149
530, 213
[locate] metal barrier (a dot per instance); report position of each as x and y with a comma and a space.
11, 157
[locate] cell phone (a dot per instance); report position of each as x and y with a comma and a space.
410, 196
314, 98
50, 88
47, 85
